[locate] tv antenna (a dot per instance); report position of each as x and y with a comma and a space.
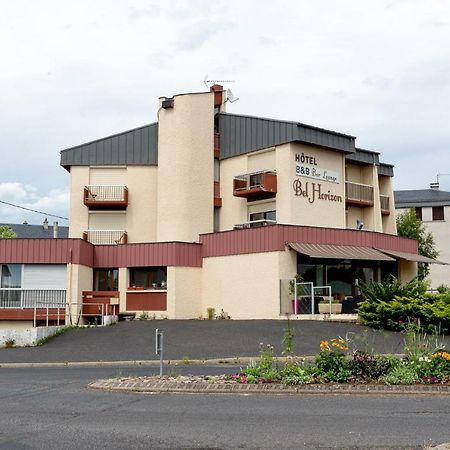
209, 83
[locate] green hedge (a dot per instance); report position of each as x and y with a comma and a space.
430, 311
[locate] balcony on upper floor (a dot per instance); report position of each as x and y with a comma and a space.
255, 185
357, 194
105, 237
255, 224
384, 203
106, 197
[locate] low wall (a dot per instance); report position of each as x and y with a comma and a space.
26, 336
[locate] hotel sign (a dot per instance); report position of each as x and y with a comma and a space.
314, 191
306, 166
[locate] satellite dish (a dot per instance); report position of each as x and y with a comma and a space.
359, 224
230, 97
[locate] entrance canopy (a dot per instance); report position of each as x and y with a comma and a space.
412, 257
340, 252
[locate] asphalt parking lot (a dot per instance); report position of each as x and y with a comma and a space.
198, 339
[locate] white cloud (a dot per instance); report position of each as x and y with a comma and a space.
55, 202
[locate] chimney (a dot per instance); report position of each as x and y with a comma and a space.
55, 230
45, 224
434, 186
218, 95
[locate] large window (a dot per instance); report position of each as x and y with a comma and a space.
106, 280
261, 216
148, 277
11, 276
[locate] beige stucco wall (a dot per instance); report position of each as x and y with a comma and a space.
186, 168
142, 183
79, 214
246, 286
79, 279
184, 292
407, 270
302, 210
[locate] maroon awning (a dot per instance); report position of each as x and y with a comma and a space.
340, 252
412, 257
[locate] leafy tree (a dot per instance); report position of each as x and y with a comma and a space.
408, 225
6, 232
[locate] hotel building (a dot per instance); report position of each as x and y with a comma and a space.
206, 209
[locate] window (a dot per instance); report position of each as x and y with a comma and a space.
418, 213
106, 280
148, 277
438, 213
266, 215
11, 276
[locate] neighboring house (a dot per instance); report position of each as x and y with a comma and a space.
44, 231
209, 209
432, 207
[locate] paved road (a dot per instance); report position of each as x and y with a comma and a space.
197, 339
52, 409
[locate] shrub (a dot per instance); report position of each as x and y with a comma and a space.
430, 312
10, 343
211, 313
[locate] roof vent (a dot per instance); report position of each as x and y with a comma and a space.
167, 103
434, 186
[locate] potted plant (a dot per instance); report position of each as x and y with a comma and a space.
326, 308
298, 279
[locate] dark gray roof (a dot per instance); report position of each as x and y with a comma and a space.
362, 156
421, 197
386, 169
244, 134
27, 231
238, 135
134, 147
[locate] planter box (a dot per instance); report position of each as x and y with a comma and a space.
324, 308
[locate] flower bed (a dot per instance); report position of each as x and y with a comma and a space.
423, 363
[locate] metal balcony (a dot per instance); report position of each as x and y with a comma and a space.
105, 197
255, 185
384, 203
105, 237
255, 224
357, 194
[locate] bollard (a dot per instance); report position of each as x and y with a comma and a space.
159, 345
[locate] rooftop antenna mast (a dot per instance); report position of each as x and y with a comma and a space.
209, 83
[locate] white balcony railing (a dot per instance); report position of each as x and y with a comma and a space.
106, 193
105, 237
31, 298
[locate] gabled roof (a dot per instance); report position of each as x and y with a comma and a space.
27, 231
421, 197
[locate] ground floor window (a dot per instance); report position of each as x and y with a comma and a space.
343, 276
148, 277
106, 279
11, 276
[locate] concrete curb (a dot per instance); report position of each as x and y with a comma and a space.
236, 361
156, 385
144, 363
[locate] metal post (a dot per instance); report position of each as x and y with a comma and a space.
34, 316
312, 298
159, 345
46, 319
295, 297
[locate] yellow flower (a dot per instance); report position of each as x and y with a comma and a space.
324, 345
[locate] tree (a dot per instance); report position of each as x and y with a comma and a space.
408, 225
6, 232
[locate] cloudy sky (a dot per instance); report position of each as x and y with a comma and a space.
73, 71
